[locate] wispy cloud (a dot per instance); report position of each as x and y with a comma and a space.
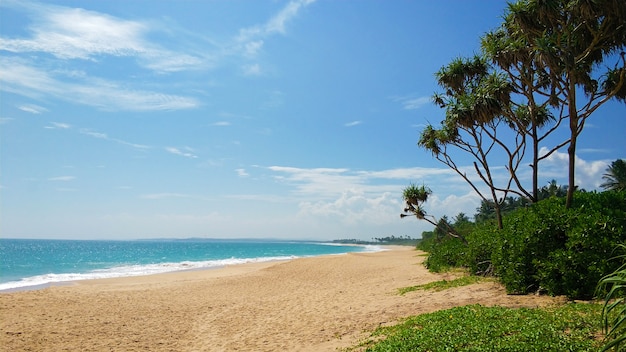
353, 123
104, 136
19, 76
58, 125
186, 152
33, 109
62, 178
412, 102
221, 123
75, 33
242, 172
5, 120
250, 40
70, 34
276, 24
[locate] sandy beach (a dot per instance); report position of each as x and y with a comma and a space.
308, 304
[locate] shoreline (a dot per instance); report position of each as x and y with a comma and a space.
24, 285
317, 303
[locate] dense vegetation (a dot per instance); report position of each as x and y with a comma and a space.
548, 67
543, 247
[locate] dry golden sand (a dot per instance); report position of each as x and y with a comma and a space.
310, 304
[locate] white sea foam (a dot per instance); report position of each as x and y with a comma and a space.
130, 270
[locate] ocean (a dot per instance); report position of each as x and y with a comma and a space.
32, 263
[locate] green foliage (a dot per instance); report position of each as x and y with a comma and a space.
544, 247
428, 241
476, 328
482, 242
527, 239
414, 198
615, 176
443, 284
446, 253
563, 251
614, 309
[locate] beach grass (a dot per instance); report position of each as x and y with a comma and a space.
445, 284
567, 327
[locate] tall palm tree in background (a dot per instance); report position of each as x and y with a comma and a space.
615, 176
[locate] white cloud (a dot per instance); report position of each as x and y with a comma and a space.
62, 178
242, 173
412, 103
278, 22
250, 40
75, 33
104, 136
325, 184
5, 120
252, 48
33, 109
187, 152
353, 123
58, 125
588, 173
221, 123
354, 207
18, 76
373, 198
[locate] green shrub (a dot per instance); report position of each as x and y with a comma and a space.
542, 247
529, 235
445, 253
482, 242
563, 251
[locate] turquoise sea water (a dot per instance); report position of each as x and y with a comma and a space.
26, 263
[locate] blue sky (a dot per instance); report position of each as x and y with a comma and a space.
284, 119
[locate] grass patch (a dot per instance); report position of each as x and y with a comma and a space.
569, 327
445, 284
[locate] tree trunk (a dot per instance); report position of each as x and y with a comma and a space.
535, 165
499, 215
571, 150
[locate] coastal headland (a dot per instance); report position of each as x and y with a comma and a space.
309, 304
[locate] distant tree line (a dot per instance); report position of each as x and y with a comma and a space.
390, 240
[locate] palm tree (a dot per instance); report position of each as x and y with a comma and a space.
414, 198
615, 176
474, 101
569, 41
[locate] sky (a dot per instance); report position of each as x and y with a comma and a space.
239, 119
